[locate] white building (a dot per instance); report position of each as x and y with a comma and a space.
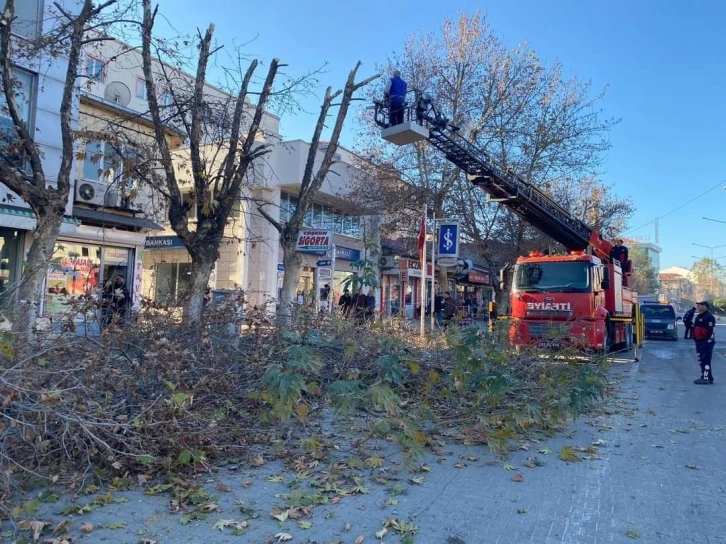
39, 90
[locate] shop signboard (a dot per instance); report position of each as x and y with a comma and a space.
314, 241
479, 277
347, 253
163, 242
448, 245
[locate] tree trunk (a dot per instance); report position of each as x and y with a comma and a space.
35, 269
291, 261
202, 266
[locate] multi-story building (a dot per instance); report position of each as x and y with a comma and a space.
677, 288
652, 250
39, 83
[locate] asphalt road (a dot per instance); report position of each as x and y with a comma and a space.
658, 475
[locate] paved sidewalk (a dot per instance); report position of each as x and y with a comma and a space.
637, 487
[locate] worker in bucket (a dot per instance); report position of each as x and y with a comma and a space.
395, 95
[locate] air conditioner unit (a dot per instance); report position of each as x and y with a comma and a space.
90, 192
387, 261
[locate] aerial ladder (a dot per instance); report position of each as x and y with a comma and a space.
617, 308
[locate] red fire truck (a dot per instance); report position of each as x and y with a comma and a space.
580, 298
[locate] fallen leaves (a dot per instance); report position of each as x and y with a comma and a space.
381, 534
518, 478
283, 537
693, 467
87, 527
360, 539
569, 455
632, 534
34, 526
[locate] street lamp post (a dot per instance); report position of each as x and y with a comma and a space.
714, 220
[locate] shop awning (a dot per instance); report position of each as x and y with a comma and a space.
112, 219
28, 216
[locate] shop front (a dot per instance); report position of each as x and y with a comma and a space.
80, 270
11, 259
410, 286
475, 290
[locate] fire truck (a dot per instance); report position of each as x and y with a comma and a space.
579, 298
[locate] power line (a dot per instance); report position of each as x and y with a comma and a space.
674, 210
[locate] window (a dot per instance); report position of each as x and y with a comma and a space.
320, 216
166, 99
188, 200
96, 69
28, 17
104, 163
23, 98
173, 281
141, 88
553, 277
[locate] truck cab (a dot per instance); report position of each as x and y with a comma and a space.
569, 300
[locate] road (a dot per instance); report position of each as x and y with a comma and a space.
658, 476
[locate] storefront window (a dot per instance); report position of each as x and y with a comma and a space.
173, 281
79, 272
9, 260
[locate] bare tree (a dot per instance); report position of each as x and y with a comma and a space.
506, 102
312, 181
220, 161
21, 162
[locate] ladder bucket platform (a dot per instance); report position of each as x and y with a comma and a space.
405, 133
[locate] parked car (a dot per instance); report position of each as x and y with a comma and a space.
660, 321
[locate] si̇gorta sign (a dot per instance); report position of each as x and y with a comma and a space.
314, 241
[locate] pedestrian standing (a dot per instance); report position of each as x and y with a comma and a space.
345, 302
395, 94
360, 304
116, 299
450, 309
688, 322
370, 305
705, 336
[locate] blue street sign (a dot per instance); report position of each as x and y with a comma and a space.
280, 267
325, 262
448, 245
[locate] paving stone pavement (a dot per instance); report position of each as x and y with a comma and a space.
640, 490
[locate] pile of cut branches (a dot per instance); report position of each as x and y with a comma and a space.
156, 397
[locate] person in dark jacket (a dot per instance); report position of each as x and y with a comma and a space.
450, 309
688, 322
345, 302
116, 299
619, 253
370, 305
395, 95
360, 304
705, 336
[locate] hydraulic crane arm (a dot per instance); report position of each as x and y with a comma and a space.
501, 184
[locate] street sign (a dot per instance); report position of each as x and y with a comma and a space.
325, 262
280, 267
448, 245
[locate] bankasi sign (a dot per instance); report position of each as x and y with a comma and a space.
314, 241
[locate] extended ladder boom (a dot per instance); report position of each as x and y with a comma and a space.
501, 184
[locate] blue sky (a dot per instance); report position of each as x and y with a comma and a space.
663, 62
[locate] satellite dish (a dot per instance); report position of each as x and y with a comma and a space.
118, 92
